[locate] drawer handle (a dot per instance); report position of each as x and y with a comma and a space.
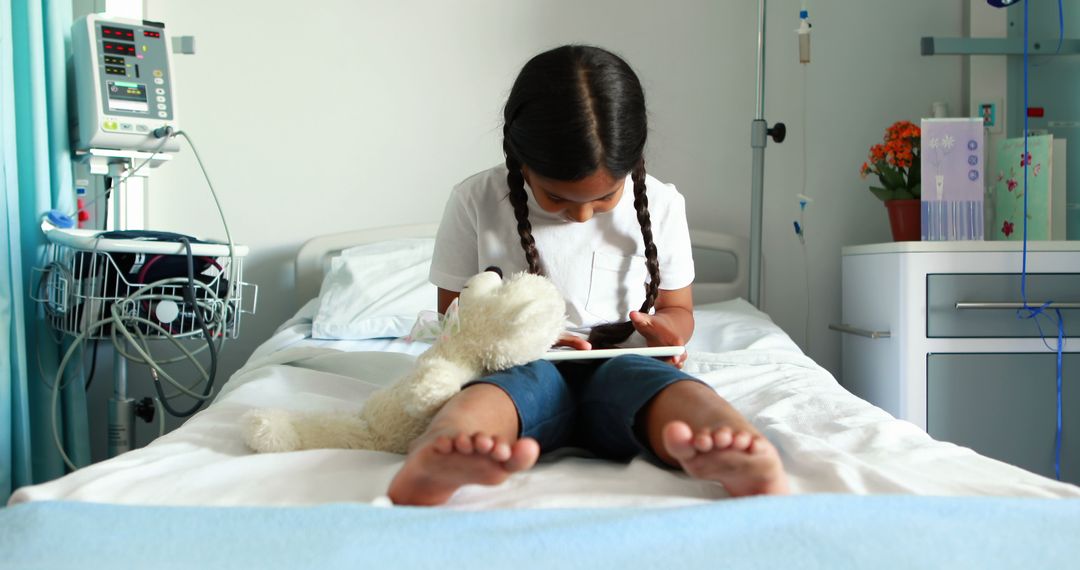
846, 328
962, 306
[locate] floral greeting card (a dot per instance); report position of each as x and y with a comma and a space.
952, 179
1008, 193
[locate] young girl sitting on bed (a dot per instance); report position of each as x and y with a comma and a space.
573, 202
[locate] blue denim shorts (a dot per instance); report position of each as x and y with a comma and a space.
591, 404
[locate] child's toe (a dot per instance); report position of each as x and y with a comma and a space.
483, 443
463, 444
678, 441
444, 444
703, 442
741, 440
722, 438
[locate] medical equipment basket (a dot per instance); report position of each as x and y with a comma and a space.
139, 290
87, 277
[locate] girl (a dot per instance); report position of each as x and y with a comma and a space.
573, 202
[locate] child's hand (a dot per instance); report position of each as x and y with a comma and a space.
573, 341
659, 330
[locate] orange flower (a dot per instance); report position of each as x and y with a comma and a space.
877, 153
893, 158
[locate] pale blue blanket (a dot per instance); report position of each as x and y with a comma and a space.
812, 531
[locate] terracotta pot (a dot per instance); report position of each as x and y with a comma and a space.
904, 219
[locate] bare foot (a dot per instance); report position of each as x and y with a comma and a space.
743, 462
441, 463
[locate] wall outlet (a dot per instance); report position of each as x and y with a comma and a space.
990, 110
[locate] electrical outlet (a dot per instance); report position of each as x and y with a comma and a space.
991, 112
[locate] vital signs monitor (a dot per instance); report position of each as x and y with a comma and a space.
124, 87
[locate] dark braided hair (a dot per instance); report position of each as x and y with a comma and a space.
571, 111
520, 201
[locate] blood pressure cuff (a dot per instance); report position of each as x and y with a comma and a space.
143, 268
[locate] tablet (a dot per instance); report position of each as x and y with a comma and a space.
572, 354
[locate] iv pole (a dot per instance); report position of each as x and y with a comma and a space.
759, 131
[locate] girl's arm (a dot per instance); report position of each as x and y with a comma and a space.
672, 324
445, 298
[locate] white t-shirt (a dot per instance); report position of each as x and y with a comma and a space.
598, 265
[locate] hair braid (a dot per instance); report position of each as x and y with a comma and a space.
611, 334
520, 201
641, 204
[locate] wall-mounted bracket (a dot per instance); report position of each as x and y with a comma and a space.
183, 45
997, 46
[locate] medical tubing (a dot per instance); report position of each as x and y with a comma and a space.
137, 297
158, 372
181, 389
190, 294
221, 213
1061, 25
802, 209
93, 365
161, 418
118, 324
156, 369
118, 321
1027, 312
144, 357
56, 388
157, 149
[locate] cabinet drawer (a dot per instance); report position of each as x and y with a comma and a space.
944, 290
1005, 406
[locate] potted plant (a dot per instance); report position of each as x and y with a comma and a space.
895, 162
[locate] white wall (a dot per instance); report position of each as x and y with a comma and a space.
866, 72
340, 114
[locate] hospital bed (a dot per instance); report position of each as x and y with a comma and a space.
869, 489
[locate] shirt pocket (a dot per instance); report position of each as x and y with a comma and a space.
616, 285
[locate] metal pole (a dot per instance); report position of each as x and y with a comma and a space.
761, 61
758, 136
121, 410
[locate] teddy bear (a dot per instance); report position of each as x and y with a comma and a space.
499, 323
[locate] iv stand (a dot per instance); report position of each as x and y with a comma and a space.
759, 131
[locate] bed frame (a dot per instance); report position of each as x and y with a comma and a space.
721, 260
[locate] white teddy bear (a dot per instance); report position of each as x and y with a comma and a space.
500, 324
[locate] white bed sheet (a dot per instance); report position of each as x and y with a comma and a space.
830, 441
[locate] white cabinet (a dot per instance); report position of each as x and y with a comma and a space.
931, 334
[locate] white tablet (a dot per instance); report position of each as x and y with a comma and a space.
572, 354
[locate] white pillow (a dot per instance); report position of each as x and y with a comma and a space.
736, 325
375, 290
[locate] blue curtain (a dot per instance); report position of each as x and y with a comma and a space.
36, 176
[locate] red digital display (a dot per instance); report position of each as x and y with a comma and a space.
118, 48
111, 33
150, 34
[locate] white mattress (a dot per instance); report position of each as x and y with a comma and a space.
830, 441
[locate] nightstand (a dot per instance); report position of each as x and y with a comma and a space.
931, 335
